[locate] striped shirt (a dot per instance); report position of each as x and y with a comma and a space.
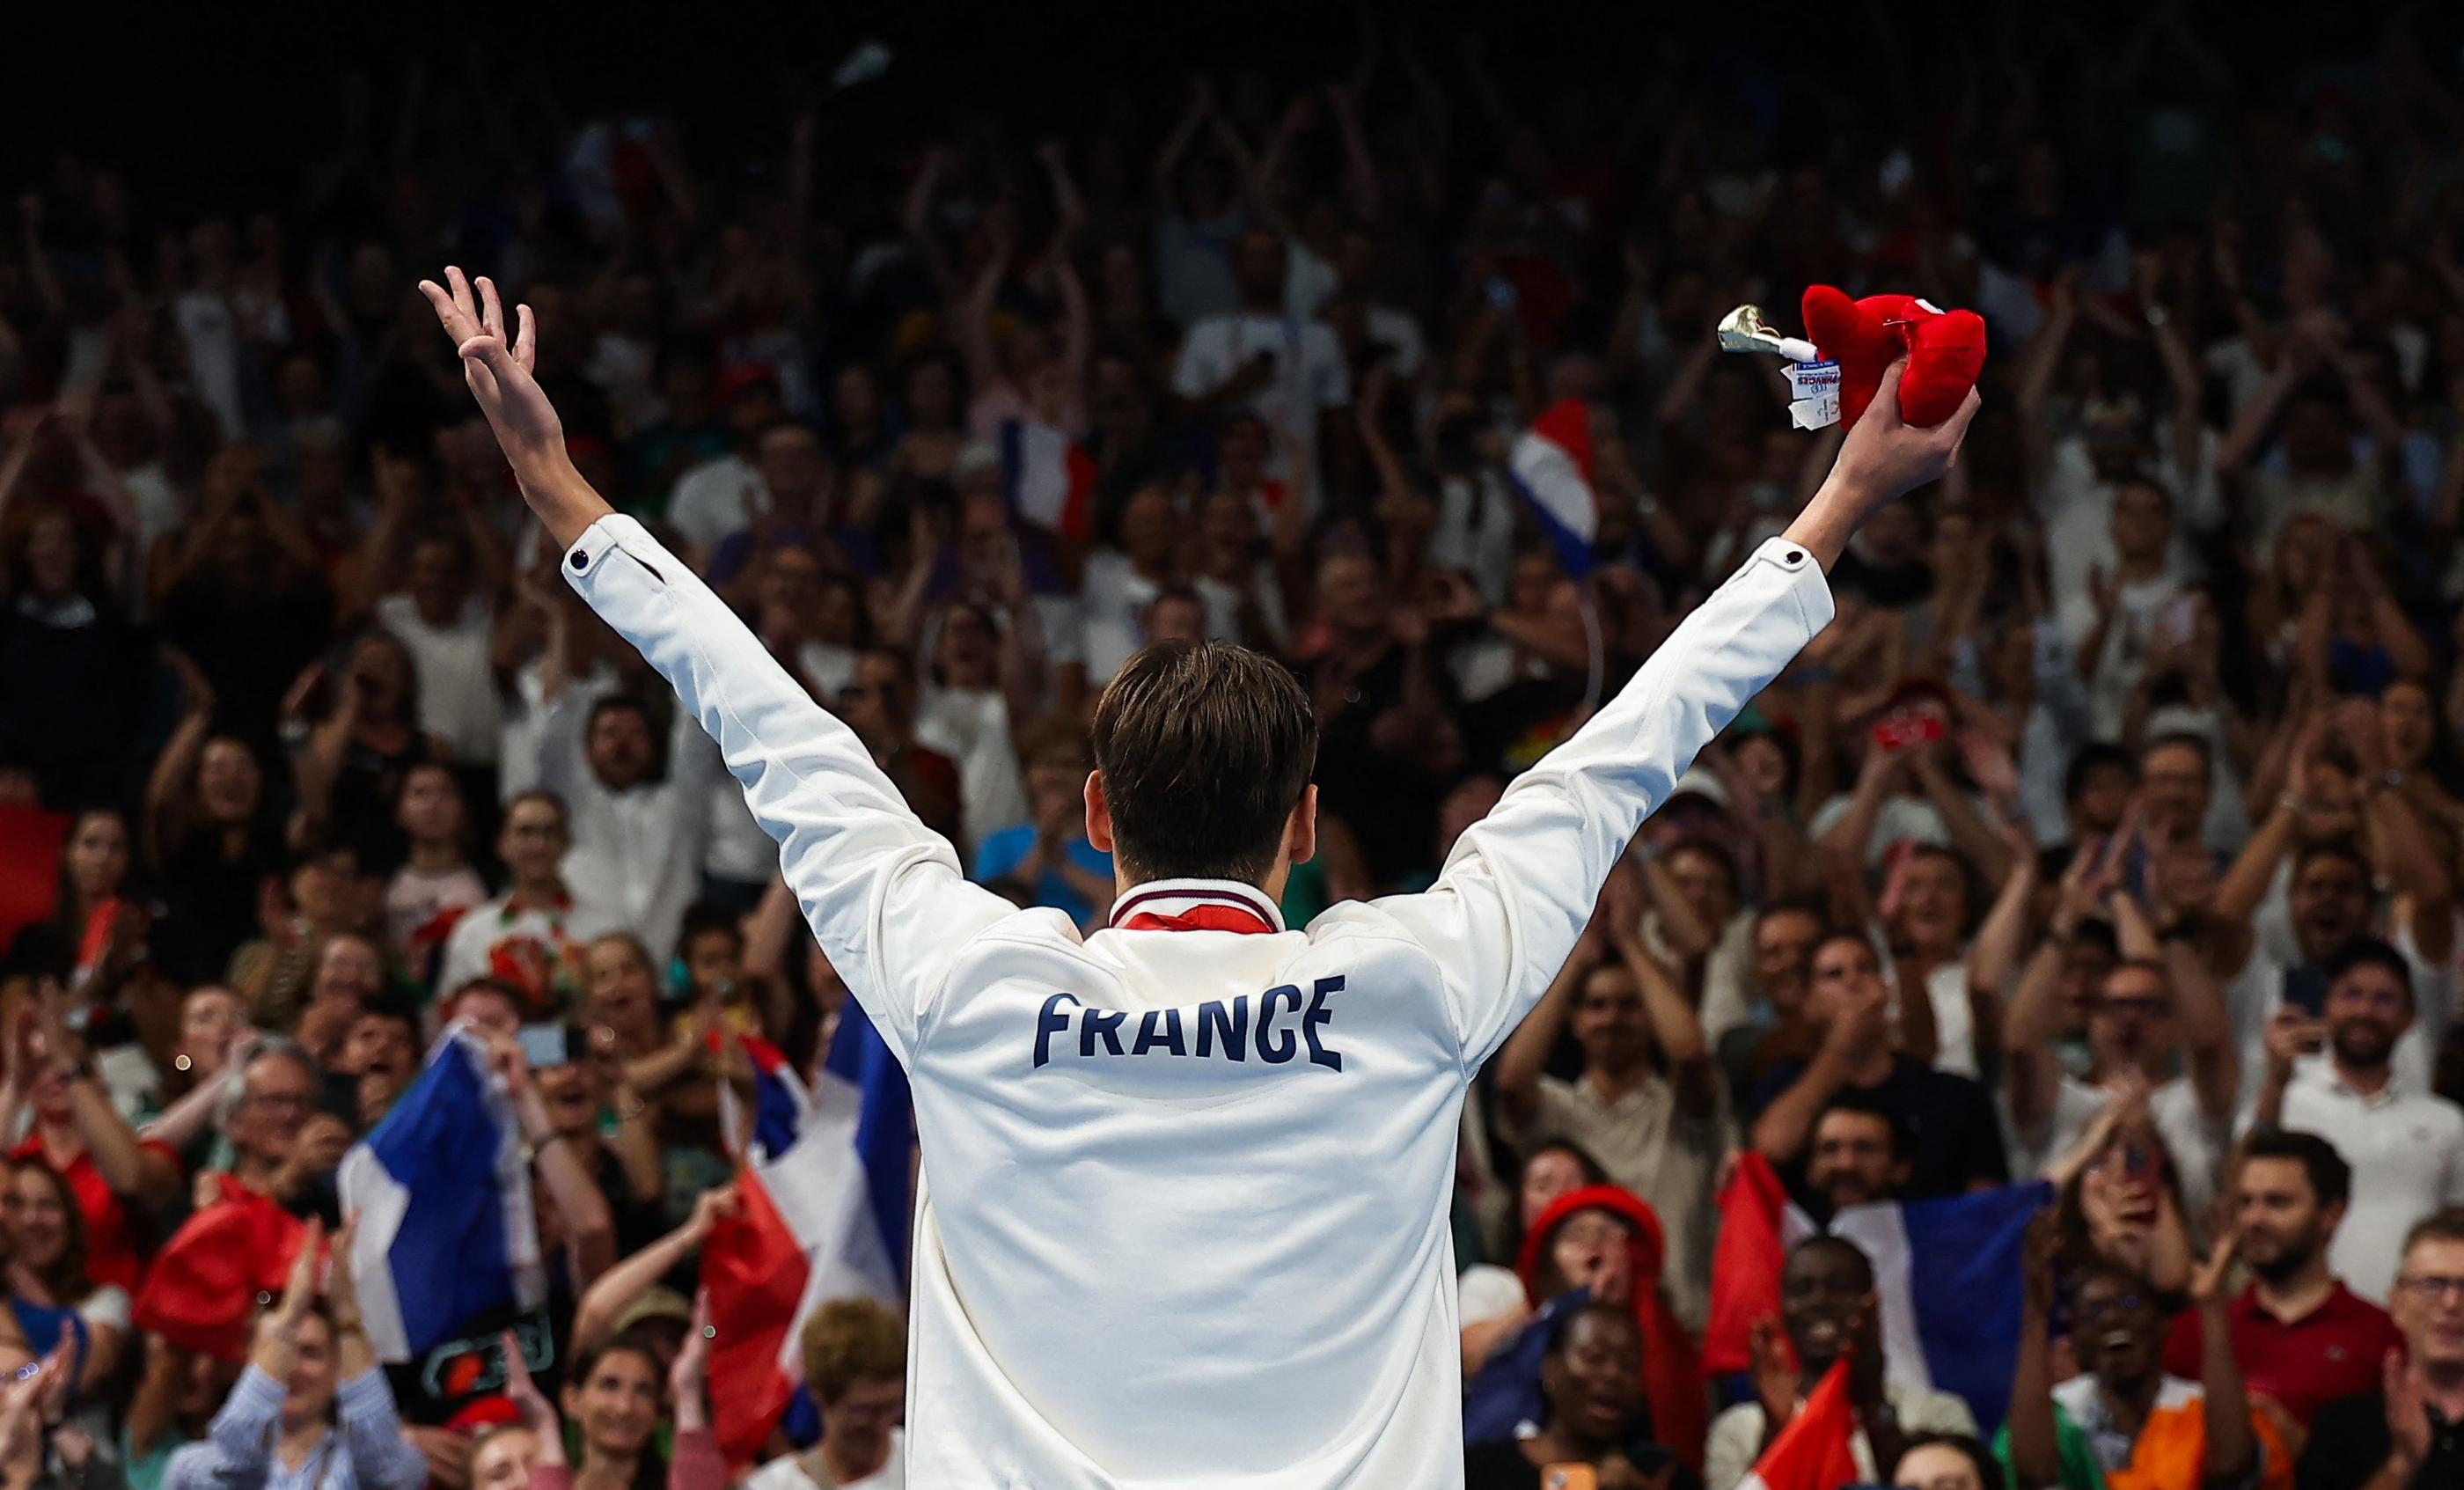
238, 1450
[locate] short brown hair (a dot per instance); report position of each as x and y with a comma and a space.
853, 1340
1205, 748
2441, 1226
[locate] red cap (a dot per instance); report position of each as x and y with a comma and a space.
483, 1413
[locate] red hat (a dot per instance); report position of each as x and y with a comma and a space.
483, 1413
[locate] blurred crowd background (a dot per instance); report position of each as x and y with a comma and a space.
2111, 835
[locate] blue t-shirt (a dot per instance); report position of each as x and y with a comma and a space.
43, 1327
1003, 852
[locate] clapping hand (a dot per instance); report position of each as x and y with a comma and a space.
537, 1412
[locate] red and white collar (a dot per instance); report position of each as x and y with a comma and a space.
1197, 905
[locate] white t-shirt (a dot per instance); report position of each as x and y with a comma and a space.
457, 680
637, 852
1954, 1019
972, 728
1309, 373
558, 937
2077, 510
1486, 1291
2138, 616
787, 1472
1129, 1138
2196, 1143
413, 898
716, 498
1111, 597
2407, 1150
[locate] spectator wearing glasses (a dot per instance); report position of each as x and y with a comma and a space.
2408, 1431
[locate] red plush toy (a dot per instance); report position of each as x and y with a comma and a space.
1944, 349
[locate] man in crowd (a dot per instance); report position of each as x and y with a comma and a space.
2407, 1432
2303, 1339
1647, 1102
535, 932
2406, 1147
1858, 1154
640, 817
1955, 1137
1828, 1309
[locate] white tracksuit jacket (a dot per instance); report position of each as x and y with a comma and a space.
1183, 1220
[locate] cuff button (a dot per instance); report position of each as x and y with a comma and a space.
579, 559
1794, 558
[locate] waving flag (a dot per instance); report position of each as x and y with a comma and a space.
1757, 1225
207, 1278
444, 1199
1812, 1452
1552, 467
1049, 480
825, 1218
780, 1101
1959, 1332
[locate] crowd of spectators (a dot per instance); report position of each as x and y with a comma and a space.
2113, 832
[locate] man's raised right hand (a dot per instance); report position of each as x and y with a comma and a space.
498, 367
1882, 458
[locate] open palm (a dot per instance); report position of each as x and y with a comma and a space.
498, 369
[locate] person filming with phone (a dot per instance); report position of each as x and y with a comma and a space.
2406, 1146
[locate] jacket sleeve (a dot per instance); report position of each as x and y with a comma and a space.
371, 1430
237, 1451
882, 893
1519, 886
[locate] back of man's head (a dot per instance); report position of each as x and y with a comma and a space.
1205, 749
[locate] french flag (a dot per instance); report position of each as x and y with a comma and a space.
780, 1101
822, 1217
1551, 464
1049, 480
1813, 1451
1957, 1333
443, 1194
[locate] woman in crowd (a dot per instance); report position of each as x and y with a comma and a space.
48, 1288
1595, 1244
1490, 1299
93, 871
436, 881
354, 762
208, 838
612, 1395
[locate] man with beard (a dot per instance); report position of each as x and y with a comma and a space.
1656, 1135
2302, 1337
1828, 1308
1860, 1154
1955, 1139
2406, 1146
2347, 833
